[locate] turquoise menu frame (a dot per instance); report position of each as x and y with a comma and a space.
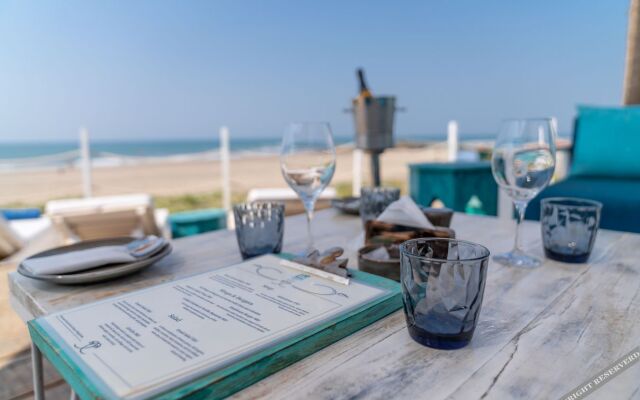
237, 376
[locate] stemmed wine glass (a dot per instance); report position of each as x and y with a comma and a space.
523, 162
307, 162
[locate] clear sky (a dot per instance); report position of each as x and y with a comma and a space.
171, 69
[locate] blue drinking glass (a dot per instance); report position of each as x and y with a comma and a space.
259, 228
374, 200
569, 228
442, 286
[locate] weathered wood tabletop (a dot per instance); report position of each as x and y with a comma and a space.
541, 332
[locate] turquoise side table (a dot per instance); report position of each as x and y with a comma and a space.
189, 223
455, 184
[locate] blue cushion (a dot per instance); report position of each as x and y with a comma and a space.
607, 142
20, 213
188, 223
620, 199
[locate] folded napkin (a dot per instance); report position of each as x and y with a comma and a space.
80, 260
405, 212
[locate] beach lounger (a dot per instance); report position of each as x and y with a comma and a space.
105, 217
23, 237
292, 202
10, 241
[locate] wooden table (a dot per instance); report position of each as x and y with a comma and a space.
541, 332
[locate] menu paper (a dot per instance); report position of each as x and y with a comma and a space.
148, 341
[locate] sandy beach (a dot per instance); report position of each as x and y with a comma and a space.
193, 177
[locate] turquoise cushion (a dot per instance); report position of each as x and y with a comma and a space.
620, 198
607, 142
188, 223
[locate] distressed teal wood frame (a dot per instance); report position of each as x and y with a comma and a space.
235, 377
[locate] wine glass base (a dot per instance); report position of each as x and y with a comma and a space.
517, 259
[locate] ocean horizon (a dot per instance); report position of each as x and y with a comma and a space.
13, 150
35, 155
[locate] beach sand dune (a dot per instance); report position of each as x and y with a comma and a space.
192, 177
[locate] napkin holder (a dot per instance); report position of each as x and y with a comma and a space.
384, 233
377, 232
381, 234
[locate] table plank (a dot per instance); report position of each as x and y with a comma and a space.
585, 329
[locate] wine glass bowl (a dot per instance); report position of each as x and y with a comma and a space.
307, 163
523, 163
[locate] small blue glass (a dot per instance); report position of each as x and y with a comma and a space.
259, 228
374, 200
569, 228
443, 284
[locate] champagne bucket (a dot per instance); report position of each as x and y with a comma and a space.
373, 117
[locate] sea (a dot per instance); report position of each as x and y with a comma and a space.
37, 155
136, 148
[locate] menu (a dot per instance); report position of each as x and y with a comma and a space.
142, 343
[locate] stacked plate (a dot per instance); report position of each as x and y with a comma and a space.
144, 254
348, 205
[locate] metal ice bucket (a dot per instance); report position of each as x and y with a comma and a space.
373, 117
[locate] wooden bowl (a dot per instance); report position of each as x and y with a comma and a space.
389, 268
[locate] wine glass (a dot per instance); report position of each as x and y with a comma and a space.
523, 162
307, 162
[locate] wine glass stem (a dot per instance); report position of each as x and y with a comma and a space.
309, 206
521, 207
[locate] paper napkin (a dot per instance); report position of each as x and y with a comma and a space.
405, 212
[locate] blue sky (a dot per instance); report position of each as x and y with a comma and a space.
156, 69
